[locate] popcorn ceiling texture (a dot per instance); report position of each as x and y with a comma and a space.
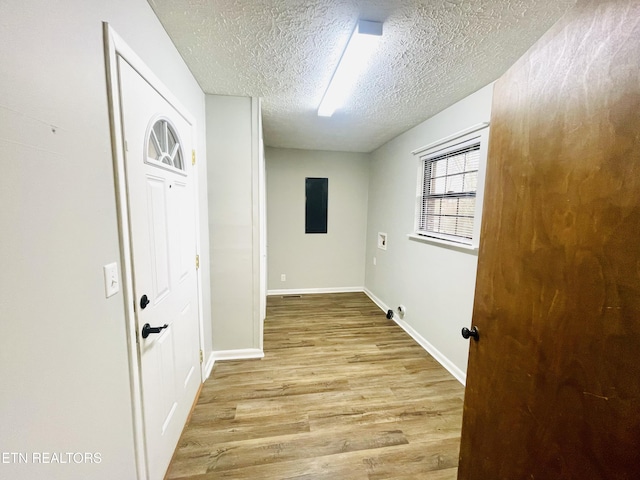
433, 53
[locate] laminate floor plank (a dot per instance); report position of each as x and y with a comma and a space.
342, 393
235, 430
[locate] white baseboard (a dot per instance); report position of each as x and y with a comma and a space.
310, 291
433, 351
376, 300
209, 365
241, 354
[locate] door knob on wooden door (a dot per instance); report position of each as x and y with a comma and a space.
466, 333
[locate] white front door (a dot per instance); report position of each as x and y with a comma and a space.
160, 195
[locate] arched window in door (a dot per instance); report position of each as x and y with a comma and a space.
163, 145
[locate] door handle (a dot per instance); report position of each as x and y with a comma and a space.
466, 333
148, 329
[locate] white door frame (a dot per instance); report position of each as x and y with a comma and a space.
114, 46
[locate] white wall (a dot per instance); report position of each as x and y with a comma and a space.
232, 159
63, 352
436, 284
331, 261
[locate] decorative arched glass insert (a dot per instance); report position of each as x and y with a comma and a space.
164, 145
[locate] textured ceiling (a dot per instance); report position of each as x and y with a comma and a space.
433, 53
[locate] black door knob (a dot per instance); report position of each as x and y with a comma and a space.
466, 333
148, 329
144, 301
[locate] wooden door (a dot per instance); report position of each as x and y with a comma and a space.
553, 386
160, 195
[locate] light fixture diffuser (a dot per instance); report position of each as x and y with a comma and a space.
356, 56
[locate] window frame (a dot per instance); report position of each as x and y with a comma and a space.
478, 134
178, 141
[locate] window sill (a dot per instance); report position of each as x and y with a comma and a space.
461, 247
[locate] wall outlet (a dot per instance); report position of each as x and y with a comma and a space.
374, 261
283, 277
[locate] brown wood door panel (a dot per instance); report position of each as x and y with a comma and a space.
553, 386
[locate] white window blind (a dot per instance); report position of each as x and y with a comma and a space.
447, 202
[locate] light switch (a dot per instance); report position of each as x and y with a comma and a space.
111, 282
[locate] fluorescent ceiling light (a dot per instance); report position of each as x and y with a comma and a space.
363, 42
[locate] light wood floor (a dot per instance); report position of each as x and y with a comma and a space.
341, 394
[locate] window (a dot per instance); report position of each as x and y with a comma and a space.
163, 146
450, 181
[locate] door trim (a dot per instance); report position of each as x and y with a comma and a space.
114, 46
